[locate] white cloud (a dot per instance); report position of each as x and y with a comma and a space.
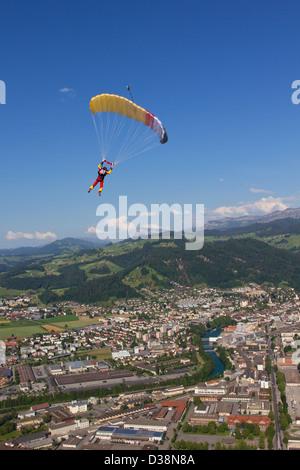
30, 236
66, 90
262, 206
120, 223
91, 230
257, 191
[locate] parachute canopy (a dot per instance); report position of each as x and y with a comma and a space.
122, 123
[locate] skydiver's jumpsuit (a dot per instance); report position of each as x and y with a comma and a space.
100, 179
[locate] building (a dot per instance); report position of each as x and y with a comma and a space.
56, 369
33, 421
72, 442
77, 407
178, 406
34, 441
173, 391
128, 435
75, 366
63, 429
210, 392
148, 424
131, 436
26, 414
291, 376
41, 407
120, 354
5, 376
204, 419
262, 421
25, 375
105, 432
201, 409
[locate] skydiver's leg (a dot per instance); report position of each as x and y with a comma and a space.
93, 185
101, 187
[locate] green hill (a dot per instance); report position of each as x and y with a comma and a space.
58, 247
122, 270
283, 233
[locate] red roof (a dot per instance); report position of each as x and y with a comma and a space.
42, 406
260, 420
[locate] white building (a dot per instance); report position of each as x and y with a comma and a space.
147, 425
77, 407
210, 390
120, 354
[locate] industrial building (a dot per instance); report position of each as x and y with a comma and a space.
127, 436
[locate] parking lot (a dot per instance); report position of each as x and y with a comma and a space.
293, 401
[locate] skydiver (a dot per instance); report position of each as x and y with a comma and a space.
102, 172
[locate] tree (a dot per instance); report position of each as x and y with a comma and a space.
212, 427
261, 441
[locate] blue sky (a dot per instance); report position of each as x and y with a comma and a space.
217, 74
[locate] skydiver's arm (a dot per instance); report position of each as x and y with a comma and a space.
100, 165
109, 172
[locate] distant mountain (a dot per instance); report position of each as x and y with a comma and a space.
58, 247
286, 226
230, 222
70, 245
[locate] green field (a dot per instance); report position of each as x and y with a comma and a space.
20, 331
136, 277
27, 328
100, 354
8, 293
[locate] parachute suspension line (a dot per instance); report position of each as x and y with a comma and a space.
107, 131
134, 138
97, 133
128, 88
138, 140
123, 149
129, 143
138, 152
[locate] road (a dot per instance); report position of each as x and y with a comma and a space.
278, 442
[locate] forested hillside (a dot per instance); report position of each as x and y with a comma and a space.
122, 270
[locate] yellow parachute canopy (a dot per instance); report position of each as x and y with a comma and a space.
123, 128
120, 105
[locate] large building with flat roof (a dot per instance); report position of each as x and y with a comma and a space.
147, 424
128, 435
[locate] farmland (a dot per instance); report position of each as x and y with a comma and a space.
26, 328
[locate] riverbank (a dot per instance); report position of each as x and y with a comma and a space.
209, 349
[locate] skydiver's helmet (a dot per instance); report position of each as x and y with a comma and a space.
104, 168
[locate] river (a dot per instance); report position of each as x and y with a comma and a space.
208, 347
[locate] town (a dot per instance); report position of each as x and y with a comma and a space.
182, 368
